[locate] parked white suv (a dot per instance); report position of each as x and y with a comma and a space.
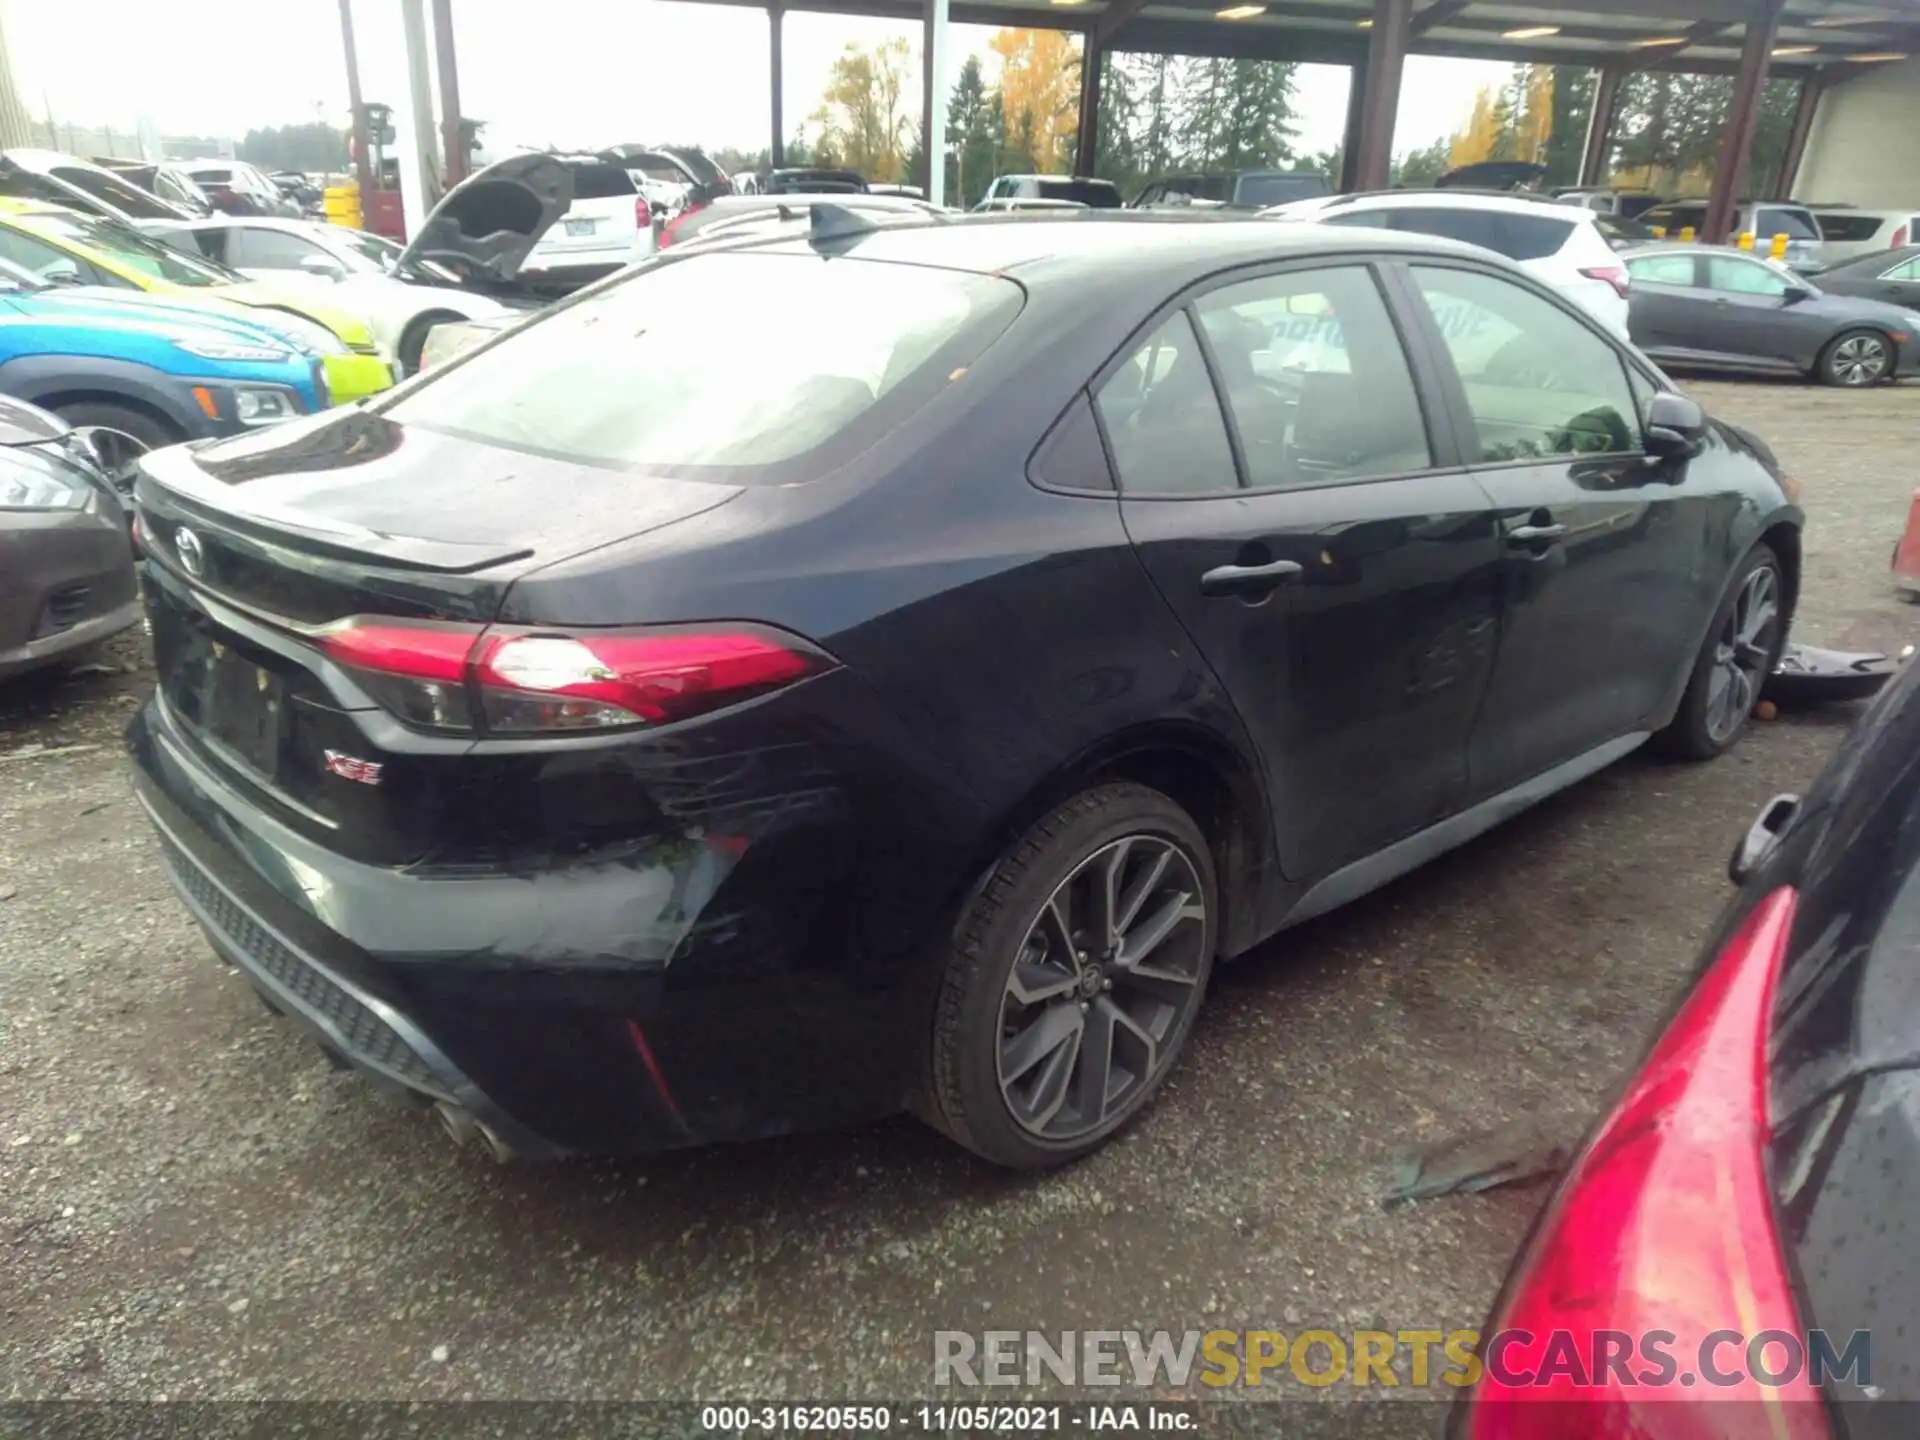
609, 224
1559, 243
1848, 231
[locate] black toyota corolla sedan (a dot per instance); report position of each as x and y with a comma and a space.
1739, 1228
886, 668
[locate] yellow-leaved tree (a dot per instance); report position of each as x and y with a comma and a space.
863, 116
1039, 93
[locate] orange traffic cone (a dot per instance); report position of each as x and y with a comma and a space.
1906, 555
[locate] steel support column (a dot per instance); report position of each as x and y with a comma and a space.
933, 104
362, 137
414, 120
1811, 89
1743, 117
1386, 59
1351, 138
1093, 54
449, 69
1606, 104
775, 65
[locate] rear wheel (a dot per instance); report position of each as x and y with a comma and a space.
1856, 359
1074, 979
1733, 665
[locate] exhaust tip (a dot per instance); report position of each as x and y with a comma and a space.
468, 1130
460, 1126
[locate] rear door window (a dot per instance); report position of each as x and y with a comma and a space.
1162, 417
1848, 226
1779, 220
1674, 269
740, 366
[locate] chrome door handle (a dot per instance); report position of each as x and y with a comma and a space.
1533, 534
1245, 579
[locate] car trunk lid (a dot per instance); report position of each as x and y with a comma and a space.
257, 546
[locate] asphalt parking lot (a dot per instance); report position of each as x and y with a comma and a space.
193, 1204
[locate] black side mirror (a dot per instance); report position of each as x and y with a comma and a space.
1761, 837
1795, 294
1676, 426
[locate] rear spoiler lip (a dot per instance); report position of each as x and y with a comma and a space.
171, 478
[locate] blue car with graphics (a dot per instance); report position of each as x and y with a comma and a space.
147, 370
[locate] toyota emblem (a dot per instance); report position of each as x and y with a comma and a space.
186, 545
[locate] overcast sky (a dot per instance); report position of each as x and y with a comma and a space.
565, 72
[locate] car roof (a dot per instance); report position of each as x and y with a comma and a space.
1098, 243
1875, 261
1460, 199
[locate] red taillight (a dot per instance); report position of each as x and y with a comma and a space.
642, 212
1664, 1224
673, 225
1899, 238
510, 680
1614, 275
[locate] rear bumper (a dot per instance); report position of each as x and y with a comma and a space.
700, 992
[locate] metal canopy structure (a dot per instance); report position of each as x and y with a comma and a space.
1821, 43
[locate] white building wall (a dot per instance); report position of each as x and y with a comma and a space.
1864, 148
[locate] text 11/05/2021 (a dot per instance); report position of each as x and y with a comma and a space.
964, 1419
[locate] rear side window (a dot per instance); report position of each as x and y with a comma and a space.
1676, 269
129, 199
1848, 226
601, 182
1315, 378
1090, 193
1162, 417
1518, 237
1072, 457
761, 368
1794, 224
1279, 189
1906, 270
1538, 382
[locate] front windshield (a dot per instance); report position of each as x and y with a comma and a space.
130, 248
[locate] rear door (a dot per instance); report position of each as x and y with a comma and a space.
1601, 552
1667, 303
1321, 544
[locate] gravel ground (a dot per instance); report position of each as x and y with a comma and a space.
192, 1204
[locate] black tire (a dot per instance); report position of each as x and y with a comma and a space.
149, 429
1855, 359
1117, 830
413, 339
1700, 728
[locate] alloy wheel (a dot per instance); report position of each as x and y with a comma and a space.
116, 452
1859, 360
1743, 653
1106, 977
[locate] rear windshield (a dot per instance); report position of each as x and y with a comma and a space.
1848, 226
126, 197
1279, 189
601, 182
747, 367
1795, 224
1095, 194
212, 174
